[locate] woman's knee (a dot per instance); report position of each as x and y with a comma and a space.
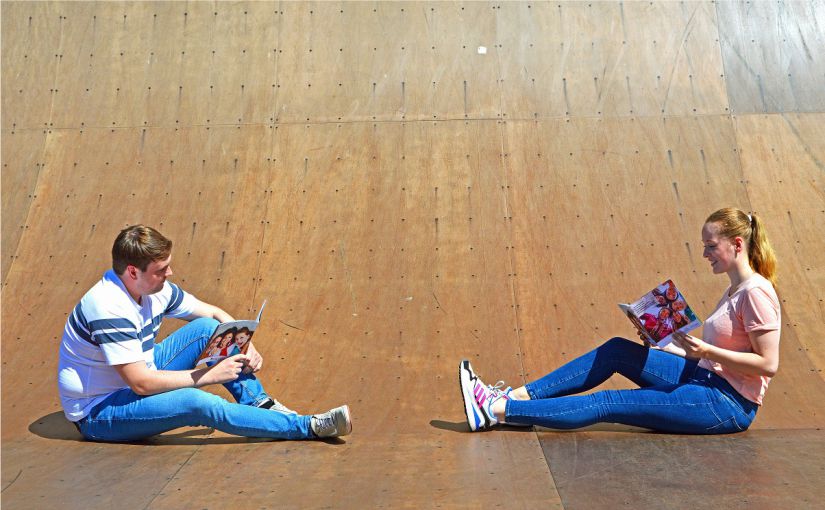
618, 343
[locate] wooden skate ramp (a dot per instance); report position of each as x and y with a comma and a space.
404, 199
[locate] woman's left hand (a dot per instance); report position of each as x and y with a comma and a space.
694, 347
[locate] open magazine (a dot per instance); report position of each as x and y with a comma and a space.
229, 339
660, 312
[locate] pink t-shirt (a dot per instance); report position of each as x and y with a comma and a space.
753, 307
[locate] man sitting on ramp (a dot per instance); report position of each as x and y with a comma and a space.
116, 384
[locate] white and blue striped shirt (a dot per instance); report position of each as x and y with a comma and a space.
109, 328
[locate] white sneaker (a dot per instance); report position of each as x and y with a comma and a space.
333, 423
478, 397
273, 405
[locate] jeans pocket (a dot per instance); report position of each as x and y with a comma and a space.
725, 427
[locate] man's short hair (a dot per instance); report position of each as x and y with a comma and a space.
139, 246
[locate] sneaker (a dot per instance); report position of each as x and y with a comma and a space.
478, 398
333, 423
274, 405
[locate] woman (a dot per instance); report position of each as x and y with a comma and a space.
712, 385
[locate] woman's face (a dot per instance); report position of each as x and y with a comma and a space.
671, 293
664, 313
679, 305
719, 251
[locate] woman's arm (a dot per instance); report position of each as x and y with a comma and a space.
764, 360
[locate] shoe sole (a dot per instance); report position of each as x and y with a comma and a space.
475, 418
347, 421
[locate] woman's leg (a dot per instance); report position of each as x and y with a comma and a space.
126, 416
644, 366
181, 349
695, 407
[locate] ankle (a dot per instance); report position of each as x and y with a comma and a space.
499, 408
519, 394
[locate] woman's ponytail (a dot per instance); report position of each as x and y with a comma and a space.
760, 252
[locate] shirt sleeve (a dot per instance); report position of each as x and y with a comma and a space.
181, 303
118, 338
760, 311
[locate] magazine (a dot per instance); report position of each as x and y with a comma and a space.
229, 339
660, 312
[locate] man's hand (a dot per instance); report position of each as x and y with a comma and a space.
227, 369
694, 347
255, 362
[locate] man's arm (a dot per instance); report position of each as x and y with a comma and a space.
144, 381
209, 311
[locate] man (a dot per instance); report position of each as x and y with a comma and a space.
116, 384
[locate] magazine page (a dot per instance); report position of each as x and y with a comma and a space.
662, 311
229, 338
628, 311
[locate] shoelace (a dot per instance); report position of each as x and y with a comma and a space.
496, 390
324, 423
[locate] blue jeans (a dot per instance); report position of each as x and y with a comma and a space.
127, 416
674, 395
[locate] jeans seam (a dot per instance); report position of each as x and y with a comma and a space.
177, 353
562, 381
577, 410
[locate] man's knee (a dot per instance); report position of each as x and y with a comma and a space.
197, 402
207, 324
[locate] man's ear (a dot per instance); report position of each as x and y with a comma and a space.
131, 272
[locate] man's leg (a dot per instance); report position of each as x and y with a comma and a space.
181, 349
126, 416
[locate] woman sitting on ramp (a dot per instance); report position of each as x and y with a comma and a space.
712, 385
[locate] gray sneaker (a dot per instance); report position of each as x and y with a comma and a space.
273, 405
333, 423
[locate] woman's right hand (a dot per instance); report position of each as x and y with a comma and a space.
645, 341
228, 369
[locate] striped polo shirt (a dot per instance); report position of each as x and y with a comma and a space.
109, 328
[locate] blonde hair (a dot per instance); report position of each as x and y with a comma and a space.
139, 246
735, 222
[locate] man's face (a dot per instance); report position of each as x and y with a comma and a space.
151, 281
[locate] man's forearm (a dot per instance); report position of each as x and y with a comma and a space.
159, 381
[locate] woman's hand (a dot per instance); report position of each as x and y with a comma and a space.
645, 341
694, 347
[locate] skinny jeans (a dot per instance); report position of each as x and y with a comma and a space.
674, 395
126, 416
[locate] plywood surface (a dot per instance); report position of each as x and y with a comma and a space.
403, 200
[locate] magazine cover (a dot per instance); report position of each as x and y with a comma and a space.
660, 312
229, 339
